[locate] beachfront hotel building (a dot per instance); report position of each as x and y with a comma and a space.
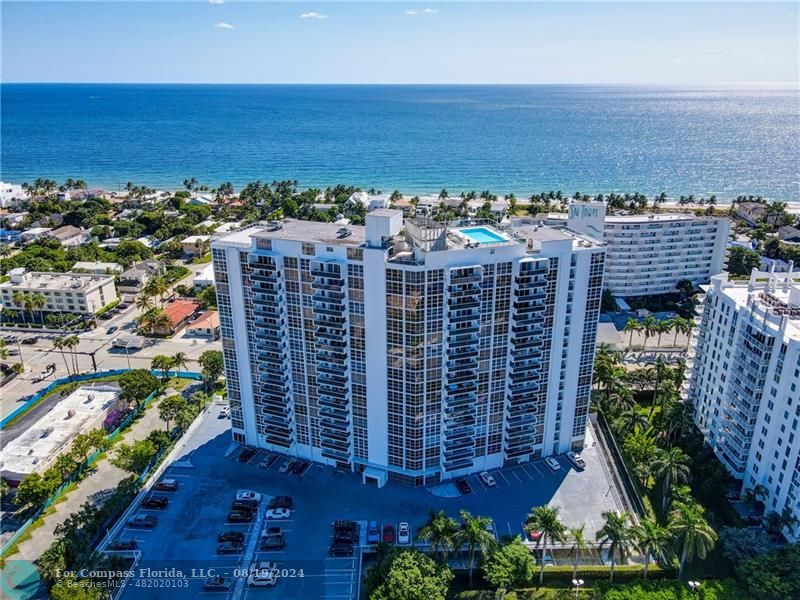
409, 350
744, 382
649, 254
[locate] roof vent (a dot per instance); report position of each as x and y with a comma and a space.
344, 232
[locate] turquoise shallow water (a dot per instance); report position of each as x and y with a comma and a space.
414, 138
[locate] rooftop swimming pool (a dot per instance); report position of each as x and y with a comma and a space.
483, 235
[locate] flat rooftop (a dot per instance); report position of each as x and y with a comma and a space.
56, 281
37, 448
301, 231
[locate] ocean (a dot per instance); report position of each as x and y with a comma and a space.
418, 139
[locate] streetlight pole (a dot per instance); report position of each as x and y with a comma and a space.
577, 583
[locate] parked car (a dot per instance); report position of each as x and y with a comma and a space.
230, 548
345, 535
167, 485
231, 536
130, 544
552, 463
280, 502
576, 460
225, 413
272, 542
373, 535
143, 521
300, 467
403, 534
218, 583
263, 574
111, 329
240, 516
272, 530
388, 534
487, 479
278, 514
248, 495
463, 486
30, 341
247, 454
285, 466
341, 549
159, 502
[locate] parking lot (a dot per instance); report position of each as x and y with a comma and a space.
209, 472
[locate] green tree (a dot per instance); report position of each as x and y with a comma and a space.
617, 535
509, 565
137, 385
672, 467
33, 491
545, 520
163, 363
474, 534
179, 361
578, 545
773, 576
134, 458
441, 532
742, 261
170, 409
413, 576
652, 540
212, 366
694, 536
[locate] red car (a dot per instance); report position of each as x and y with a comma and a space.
388, 534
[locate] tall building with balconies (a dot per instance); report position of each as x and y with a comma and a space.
409, 350
744, 382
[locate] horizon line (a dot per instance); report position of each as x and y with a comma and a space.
411, 83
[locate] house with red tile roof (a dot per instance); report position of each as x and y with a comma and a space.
205, 326
179, 312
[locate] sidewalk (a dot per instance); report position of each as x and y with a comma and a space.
97, 486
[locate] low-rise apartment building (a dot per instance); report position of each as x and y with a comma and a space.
744, 383
81, 293
69, 236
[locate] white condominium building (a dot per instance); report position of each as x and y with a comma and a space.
744, 382
81, 293
649, 254
408, 350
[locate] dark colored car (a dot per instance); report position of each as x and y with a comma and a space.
30, 341
231, 536
300, 467
273, 530
112, 329
388, 534
339, 549
106, 316
250, 505
230, 548
143, 521
155, 502
167, 485
346, 532
272, 542
246, 455
218, 583
240, 516
463, 486
280, 502
123, 545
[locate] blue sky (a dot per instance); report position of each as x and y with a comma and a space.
224, 41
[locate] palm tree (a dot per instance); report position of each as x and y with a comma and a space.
38, 302
648, 328
179, 361
671, 466
144, 302
59, 344
474, 534
544, 519
694, 536
579, 545
617, 535
632, 325
19, 299
440, 531
661, 327
72, 342
634, 420
653, 540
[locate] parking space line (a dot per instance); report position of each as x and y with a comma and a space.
479, 480
537, 469
504, 477
515, 475
527, 473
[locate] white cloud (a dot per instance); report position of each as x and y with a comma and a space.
313, 15
425, 11
223, 25
216, 1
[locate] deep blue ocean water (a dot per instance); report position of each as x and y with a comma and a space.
414, 138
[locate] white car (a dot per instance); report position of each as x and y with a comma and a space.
278, 514
225, 412
576, 460
403, 534
248, 495
263, 574
552, 463
487, 479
